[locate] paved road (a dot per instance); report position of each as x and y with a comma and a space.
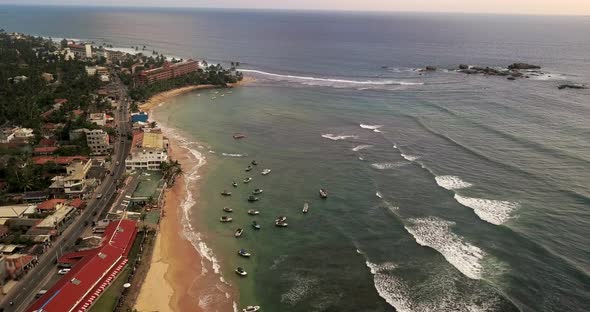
22, 295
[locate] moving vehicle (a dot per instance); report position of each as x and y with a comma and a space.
323, 193
40, 293
117, 163
266, 171
63, 271
99, 196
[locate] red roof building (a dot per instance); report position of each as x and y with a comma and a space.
45, 150
50, 205
60, 160
45, 142
168, 71
78, 203
84, 284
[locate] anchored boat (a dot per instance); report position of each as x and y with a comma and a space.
305, 207
239, 232
241, 272
266, 171
323, 193
225, 219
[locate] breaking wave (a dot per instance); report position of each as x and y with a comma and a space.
361, 147
492, 211
233, 155
333, 137
409, 157
436, 233
331, 81
451, 182
389, 165
375, 128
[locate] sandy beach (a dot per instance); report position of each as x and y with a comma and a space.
180, 278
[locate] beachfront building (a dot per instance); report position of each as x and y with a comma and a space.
76, 182
81, 50
168, 71
148, 151
98, 141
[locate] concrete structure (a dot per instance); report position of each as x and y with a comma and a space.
14, 211
168, 71
50, 205
81, 50
98, 118
47, 76
97, 70
148, 151
98, 142
139, 117
6, 135
23, 133
79, 289
61, 215
75, 183
18, 264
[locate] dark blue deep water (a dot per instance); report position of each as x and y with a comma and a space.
448, 192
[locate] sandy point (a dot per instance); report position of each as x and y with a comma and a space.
180, 279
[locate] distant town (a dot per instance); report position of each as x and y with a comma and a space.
82, 169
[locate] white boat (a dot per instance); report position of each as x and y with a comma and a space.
247, 180
281, 224
251, 309
227, 209
257, 191
244, 253
266, 171
253, 212
225, 219
305, 207
239, 232
240, 271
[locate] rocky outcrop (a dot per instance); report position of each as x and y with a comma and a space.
463, 67
571, 86
523, 66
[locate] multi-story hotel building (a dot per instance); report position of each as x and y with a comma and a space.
168, 71
148, 151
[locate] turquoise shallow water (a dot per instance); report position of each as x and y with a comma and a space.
447, 192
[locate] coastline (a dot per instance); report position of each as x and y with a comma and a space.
161, 97
183, 275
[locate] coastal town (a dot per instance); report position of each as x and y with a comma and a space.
83, 170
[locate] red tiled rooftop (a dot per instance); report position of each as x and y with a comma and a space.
45, 150
60, 101
48, 142
78, 203
60, 160
50, 204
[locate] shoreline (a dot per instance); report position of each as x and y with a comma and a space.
162, 97
182, 275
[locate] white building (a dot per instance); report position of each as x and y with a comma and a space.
149, 150
98, 141
6, 135
75, 183
23, 133
100, 70
98, 118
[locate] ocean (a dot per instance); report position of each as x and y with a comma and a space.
447, 192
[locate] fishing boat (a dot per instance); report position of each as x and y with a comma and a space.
257, 191
249, 168
281, 223
225, 219
253, 212
252, 198
244, 253
226, 193
305, 207
251, 309
239, 232
281, 219
241, 272
247, 180
266, 171
227, 209
238, 136
254, 163
323, 193
234, 184
256, 226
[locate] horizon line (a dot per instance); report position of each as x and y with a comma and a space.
287, 9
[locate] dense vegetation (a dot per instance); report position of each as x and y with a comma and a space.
214, 75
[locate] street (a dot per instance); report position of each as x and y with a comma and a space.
23, 294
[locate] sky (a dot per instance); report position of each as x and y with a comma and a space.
575, 7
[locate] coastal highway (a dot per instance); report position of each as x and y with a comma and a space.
23, 293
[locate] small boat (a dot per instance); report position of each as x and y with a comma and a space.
254, 163
238, 136
226, 193
256, 226
253, 212
244, 253
323, 193
257, 191
240, 271
249, 168
234, 184
305, 207
265, 171
239, 232
281, 219
225, 219
252, 198
247, 180
227, 209
281, 223
251, 309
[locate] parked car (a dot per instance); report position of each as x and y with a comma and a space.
40, 293
63, 271
99, 196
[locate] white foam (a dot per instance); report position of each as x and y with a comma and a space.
233, 155
410, 157
390, 287
452, 182
361, 147
332, 81
436, 234
301, 287
333, 137
378, 194
389, 165
493, 211
375, 128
